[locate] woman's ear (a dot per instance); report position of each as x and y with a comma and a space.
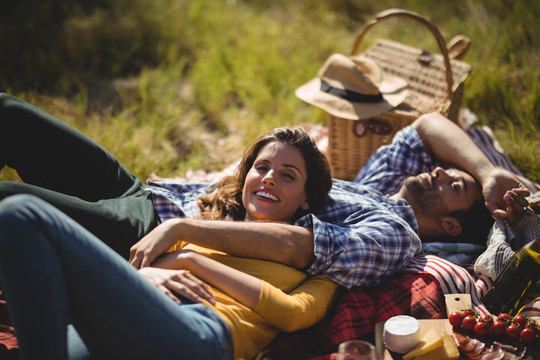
450, 226
305, 205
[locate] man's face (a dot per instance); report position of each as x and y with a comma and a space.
441, 192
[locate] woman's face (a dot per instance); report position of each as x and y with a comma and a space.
274, 188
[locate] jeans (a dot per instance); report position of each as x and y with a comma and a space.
54, 272
73, 173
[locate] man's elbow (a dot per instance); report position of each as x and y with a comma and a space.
301, 259
429, 119
299, 254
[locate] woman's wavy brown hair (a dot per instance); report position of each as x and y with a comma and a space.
226, 202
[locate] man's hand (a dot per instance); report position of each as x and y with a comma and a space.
505, 195
155, 243
179, 282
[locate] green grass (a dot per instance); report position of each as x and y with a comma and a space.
199, 79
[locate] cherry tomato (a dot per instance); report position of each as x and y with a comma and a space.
466, 313
527, 335
504, 317
481, 328
498, 328
512, 331
455, 319
488, 319
521, 320
468, 323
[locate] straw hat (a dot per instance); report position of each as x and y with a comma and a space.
353, 88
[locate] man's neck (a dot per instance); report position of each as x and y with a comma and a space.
427, 228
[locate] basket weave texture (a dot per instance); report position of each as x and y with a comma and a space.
432, 87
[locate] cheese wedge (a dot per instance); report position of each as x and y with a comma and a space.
429, 341
448, 350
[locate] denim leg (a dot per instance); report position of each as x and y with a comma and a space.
52, 270
74, 174
49, 153
76, 348
119, 223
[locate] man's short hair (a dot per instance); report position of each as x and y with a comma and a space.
476, 223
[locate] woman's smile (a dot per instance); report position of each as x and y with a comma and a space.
274, 189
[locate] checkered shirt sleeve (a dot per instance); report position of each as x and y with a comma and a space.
173, 200
361, 235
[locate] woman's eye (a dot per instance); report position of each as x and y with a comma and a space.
289, 176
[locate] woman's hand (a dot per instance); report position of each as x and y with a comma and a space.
237, 284
505, 195
180, 282
155, 243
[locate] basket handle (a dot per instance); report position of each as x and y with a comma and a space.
383, 15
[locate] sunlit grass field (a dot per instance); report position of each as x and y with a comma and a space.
170, 85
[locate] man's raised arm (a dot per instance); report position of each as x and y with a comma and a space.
447, 142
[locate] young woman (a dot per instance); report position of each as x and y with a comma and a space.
72, 297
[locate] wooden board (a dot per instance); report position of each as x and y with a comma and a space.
457, 302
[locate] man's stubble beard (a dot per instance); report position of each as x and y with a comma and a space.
426, 202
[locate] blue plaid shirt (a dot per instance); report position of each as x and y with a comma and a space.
361, 235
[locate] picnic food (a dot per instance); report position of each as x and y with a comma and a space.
500, 327
429, 341
434, 346
401, 333
448, 350
475, 349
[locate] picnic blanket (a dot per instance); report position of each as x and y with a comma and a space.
417, 294
8, 341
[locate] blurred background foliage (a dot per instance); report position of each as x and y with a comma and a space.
173, 85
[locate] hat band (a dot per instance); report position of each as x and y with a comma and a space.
350, 95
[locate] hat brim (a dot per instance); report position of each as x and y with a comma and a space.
393, 90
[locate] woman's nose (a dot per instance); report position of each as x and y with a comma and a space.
268, 178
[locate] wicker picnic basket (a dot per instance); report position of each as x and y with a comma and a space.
435, 83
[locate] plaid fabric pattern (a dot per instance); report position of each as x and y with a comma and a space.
391, 164
172, 200
458, 253
453, 279
361, 236
357, 312
8, 342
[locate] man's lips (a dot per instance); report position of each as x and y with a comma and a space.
427, 180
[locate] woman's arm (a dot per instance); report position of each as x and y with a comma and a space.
303, 307
180, 282
243, 287
299, 309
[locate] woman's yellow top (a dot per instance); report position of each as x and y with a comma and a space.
289, 301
